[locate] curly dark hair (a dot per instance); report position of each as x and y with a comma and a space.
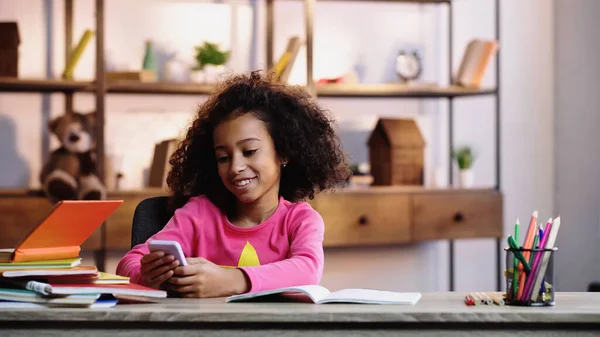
302, 132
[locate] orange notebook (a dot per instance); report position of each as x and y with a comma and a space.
61, 234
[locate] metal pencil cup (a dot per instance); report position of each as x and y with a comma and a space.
534, 287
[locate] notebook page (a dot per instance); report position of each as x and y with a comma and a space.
370, 296
315, 292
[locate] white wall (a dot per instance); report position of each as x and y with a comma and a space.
345, 33
577, 158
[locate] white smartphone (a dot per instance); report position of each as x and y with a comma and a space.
170, 248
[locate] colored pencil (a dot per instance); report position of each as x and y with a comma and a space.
531, 231
497, 298
536, 263
545, 259
472, 299
486, 298
518, 254
515, 262
522, 275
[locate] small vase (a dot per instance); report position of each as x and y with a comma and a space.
149, 62
198, 76
466, 178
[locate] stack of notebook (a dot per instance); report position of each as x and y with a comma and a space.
45, 269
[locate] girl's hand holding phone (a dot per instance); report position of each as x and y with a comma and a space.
202, 278
156, 268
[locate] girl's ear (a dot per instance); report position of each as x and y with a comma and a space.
284, 162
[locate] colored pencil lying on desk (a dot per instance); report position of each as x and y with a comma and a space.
497, 298
484, 298
470, 300
488, 298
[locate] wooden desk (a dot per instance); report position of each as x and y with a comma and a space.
436, 314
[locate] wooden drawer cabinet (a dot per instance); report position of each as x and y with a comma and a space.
364, 218
456, 215
373, 216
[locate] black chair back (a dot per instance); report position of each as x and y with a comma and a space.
149, 217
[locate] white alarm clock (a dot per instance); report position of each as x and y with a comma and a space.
408, 65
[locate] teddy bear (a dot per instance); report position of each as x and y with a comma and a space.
70, 172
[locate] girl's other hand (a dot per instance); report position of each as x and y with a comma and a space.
156, 268
202, 278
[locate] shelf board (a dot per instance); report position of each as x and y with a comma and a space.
135, 87
38, 193
326, 90
11, 84
398, 90
409, 1
148, 192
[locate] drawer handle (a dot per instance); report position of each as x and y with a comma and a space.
363, 220
458, 217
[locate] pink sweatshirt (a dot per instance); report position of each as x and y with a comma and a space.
285, 250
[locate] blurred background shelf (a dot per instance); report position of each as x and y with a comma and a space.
134, 87
9, 84
398, 90
326, 90
408, 1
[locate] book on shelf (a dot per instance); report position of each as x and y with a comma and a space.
320, 295
60, 235
284, 65
145, 76
76, 54
475, 61
160, 166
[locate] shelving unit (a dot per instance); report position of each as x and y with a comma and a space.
101, 88
8, 84
400, 91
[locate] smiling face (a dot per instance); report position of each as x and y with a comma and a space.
246, 159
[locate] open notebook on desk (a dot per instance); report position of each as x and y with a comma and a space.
321, 295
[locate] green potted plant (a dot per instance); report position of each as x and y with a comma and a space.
465, 157
210, 62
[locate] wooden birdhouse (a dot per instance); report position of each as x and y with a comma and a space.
9, 49
396, 152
